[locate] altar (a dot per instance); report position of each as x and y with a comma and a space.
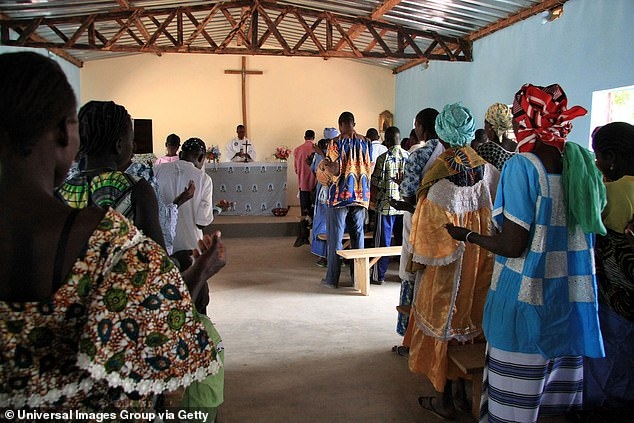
253, 189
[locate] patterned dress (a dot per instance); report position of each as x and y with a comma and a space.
416, 165
458, 188
121, 329
493, 153
609, 381
540, 315
109, 189
168, 212
318, 246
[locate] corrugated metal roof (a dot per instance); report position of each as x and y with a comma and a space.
452, 18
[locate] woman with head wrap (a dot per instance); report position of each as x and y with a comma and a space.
458, 188
609, 381
497, 122
540, 316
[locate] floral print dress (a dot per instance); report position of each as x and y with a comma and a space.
119, 330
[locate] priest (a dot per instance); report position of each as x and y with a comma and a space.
240, 148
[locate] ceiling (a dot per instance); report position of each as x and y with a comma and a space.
396, 34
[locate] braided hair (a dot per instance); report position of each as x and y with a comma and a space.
35, 96
101, 123
617, 137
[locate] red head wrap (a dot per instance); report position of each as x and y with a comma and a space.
542, 114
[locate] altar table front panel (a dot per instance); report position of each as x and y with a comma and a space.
255, 189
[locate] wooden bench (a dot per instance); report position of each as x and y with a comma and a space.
469, 358
345, 239
362, 263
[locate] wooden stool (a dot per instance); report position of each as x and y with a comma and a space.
469, 358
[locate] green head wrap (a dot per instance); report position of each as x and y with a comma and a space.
455, 125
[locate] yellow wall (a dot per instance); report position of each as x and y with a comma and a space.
191, 96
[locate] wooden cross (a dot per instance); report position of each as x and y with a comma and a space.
244, 72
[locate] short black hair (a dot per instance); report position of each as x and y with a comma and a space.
173, 140
239, 126
309, 134
323, 143
101, 123
346, 117
480, 135
427, 118
35, 97
390, 133
372, 134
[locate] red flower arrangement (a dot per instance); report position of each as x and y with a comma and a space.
282, 153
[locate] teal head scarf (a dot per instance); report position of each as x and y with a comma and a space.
455, 125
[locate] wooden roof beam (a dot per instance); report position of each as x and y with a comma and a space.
200, 27
409, 41
377, 13
378, 38
494, 27
123, 4
29, 30
308, 32
129, 31
162, 27
273, 27
146, 34
90, 19
35, 37
124, 27
236, 28
265, 36
374, 42
519, 16
58, 32
133, 22
254, 30
344, 35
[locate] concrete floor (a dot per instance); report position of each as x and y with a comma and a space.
297, 352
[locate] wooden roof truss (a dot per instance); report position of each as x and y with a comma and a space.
235, 27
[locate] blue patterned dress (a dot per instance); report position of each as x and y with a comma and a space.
540, 316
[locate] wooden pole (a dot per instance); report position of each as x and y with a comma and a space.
243, 72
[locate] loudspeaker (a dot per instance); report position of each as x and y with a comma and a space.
143, 136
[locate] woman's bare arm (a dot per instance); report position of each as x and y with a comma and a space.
511, 242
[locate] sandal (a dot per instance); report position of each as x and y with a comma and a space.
401, 350
428, 404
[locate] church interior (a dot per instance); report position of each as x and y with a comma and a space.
294, 351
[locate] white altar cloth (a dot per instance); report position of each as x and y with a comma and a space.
255, 188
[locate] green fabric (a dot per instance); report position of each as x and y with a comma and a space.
207, 394
584, 190
455, 125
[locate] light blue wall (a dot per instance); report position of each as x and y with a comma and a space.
590, 48
71, 71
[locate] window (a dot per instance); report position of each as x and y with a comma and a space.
615, 105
